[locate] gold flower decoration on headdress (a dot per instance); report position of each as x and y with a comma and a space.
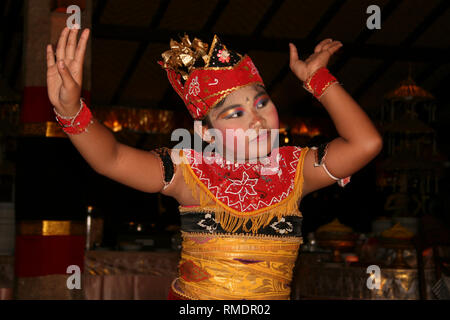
184, 54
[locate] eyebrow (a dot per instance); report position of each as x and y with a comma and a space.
261, 92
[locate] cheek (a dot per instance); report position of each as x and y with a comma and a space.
223, 137
272, 118
233, 141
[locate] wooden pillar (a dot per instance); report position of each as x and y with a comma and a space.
51, 176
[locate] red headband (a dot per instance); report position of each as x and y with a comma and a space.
224, 72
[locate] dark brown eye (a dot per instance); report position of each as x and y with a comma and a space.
236, 114
261, 102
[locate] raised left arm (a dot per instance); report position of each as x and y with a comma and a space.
358, 142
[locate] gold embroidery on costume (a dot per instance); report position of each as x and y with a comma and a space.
223, 93
241, 268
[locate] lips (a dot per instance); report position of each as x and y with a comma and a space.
261, 137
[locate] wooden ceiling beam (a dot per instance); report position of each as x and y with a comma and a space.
159, 14
98, 12
369, 51
440, 90
209, 25
360, 49
406, 45
163, 5
267, 18
363, 36
308, 42
427, 72
215, 15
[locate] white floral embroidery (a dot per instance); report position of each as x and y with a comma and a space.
283, 228
289, 169
208, 223
270, 167
242, 187
194, 87
252, 66
216, 81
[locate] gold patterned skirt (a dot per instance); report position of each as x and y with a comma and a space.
236, 266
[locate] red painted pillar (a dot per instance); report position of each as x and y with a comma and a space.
44, 21
50, 173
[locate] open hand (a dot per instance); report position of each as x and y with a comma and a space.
65, 75
322, 53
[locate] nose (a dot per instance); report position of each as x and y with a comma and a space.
257, 120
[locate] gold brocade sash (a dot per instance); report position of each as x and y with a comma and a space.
225, 266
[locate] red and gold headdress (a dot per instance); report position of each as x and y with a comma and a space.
203, 78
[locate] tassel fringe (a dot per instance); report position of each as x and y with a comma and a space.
231, 219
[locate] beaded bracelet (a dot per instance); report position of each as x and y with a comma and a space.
78, 123
319, 82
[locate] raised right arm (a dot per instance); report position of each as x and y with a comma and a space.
136, 168
133, 167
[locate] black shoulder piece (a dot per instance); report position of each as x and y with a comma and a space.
320, 154
167, 165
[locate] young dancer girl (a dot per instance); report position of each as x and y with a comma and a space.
240, 221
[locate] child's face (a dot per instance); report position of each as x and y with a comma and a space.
247, 108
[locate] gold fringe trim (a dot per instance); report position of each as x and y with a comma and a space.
292, 239
231, 219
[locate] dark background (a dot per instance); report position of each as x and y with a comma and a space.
127, 40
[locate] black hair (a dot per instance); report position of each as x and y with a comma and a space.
206, 121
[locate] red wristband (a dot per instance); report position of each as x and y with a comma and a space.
78, 124
321, 80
